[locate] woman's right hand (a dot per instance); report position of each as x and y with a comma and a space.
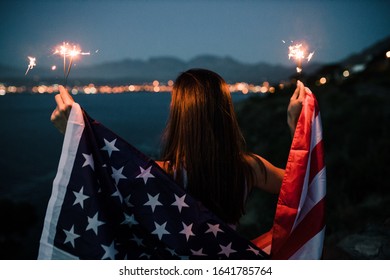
60, 115
295, 106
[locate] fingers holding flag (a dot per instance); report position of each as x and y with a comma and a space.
299, 93
59, 116
295, 106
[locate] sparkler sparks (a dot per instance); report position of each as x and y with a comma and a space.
32, 63
71, 52
298, 52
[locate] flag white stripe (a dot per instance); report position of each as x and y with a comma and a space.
316, 131
317, 191
74, 130
305, 186
311, 249
313, 193
317, 187
307, 242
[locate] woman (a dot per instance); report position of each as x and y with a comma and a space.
203, 148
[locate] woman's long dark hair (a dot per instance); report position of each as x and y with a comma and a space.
203, 141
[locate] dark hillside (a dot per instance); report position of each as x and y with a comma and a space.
355, 116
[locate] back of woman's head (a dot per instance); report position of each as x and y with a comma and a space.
203, 141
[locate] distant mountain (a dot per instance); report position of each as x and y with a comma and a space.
359, 66
368, 54
158, 68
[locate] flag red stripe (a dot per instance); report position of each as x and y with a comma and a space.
317, 162
309, 227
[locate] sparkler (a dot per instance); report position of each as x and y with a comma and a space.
32, 63
72, 53
299, 53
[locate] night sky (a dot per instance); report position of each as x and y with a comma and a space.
247, 30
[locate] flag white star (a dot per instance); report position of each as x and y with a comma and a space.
153, 201
110, 147
172, 251
127, 201
198, 253
160, 230
118, 194
227, 250
109, 251
137, 240
145, 174
179, 202
94, 223
89, 161
144, 255
252, 249
214, 229
187, 230
129, 220
70, 236
80, 197
117, 174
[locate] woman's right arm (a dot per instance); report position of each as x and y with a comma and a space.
268, 179
59, 116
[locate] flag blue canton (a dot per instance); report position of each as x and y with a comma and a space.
119, 204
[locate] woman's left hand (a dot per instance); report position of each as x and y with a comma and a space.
60, 115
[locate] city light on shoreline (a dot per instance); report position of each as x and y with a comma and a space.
147, 88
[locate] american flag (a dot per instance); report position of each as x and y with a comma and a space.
110, 201
299, 224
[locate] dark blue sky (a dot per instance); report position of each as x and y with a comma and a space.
247, 30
